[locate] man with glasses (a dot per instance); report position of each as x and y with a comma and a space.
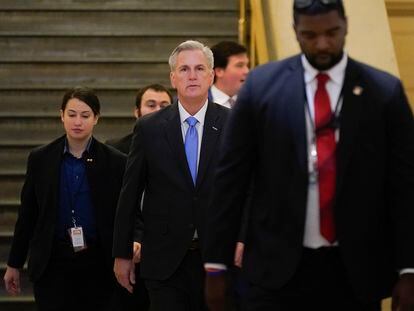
330, 143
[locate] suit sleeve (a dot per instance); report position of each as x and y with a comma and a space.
26, 220
244, 222
232, 181
128, 219
400, 131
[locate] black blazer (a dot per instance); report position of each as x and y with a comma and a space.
266, 136
35, 227
173, 208
122, 144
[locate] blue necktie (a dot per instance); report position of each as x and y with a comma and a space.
191, 146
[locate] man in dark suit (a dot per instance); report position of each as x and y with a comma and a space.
172, 157
149, 99
330, 143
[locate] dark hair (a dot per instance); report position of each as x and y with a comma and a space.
84, 94
317, 7
223, 50
156, 87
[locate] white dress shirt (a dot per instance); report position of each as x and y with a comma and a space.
313, 237
200, 116
221, 98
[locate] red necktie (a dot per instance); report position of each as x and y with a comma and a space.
326, 147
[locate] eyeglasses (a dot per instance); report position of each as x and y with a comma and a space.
303, 4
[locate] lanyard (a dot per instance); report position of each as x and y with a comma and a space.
333, 123
334, 120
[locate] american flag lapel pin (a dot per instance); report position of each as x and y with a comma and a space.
357, 90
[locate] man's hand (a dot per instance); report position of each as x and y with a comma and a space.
215, 291
403, 295
124, 270
12, 280
238, 254
137, 252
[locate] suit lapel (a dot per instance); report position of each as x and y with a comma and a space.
353, 94
52, 175
94, 164
211, 132
295, 96
174, 136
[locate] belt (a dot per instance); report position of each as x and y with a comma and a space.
194, 245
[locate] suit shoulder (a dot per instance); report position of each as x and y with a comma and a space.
221, 109
153, 117
112, 152
379, 78
122, 144
56, 144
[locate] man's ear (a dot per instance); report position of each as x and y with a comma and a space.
172, 79
136, 113
218, 72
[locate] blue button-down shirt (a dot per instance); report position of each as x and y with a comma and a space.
75, 203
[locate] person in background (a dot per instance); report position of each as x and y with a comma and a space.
231, 66
149, 99
329, 142
172, 158
65, 220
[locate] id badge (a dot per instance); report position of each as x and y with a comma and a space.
77, 238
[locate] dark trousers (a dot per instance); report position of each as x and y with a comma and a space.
137, 301
75, 281
184, 290
238, 287
320, 283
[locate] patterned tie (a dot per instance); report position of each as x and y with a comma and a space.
191, 146
326, 148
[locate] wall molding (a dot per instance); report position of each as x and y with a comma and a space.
400, 8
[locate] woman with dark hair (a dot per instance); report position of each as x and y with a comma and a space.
66, 216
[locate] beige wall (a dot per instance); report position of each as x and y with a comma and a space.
401, 19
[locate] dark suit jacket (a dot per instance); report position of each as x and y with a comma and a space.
122, 144
373, 210
173, 207
35, 227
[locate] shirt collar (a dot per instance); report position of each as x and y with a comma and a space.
219, 96
336, 73
200, 115
66, 147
